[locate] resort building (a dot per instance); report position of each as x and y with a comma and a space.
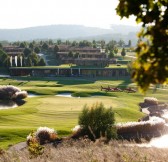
82, 56
82, 62
116, 72
14, 52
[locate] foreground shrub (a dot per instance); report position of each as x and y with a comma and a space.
97, 121
34, 148
1, 151
45, 135
154, 124
42, 135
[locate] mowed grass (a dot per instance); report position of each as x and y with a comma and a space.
61, 113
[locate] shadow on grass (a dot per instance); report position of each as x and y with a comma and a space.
60, 80
45, 85
74, 81
22, 83
86, 94
124, 84
36, 93
103, 94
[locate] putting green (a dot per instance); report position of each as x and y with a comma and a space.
62, 113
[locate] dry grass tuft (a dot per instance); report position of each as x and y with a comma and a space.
85, 150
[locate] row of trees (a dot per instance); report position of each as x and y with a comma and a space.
4, 61
38, 46
31, 49
29, 56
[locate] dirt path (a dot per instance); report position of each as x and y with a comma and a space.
18, 146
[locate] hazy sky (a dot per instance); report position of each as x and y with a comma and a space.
26, 13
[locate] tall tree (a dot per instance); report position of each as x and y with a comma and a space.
85, 43
74, 43
27, 52
22, 45
115, 50
45, 46
123, 53
50, 42
37, 50
28, 62
41, 62
111, 54
129, 43
70, 54
3, 59
59, 41
41, 42
31, 46
111, 45
67, 42
16, 44
56, 49
94, 44
121, 43
34, 58
1, 46
151, 65
103, 43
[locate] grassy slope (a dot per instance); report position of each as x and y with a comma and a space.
62, 113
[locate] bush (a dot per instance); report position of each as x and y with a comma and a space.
20, 95
155, 123
42, 135
97, 121
34, 148
10, 92
1, 151
151, 100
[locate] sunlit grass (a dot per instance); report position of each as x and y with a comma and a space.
61, 113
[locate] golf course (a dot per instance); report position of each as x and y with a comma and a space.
49, 106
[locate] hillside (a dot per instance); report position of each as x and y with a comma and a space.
69, 32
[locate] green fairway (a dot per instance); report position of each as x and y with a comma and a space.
61, 113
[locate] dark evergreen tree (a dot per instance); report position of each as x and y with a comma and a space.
123, 53
111, 54
37, 50
129, 43
45, 46
22, 45
41, 62
27, 52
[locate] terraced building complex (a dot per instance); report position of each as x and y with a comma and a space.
73, 61
85, 56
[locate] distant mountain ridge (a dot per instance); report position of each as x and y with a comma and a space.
65, 32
